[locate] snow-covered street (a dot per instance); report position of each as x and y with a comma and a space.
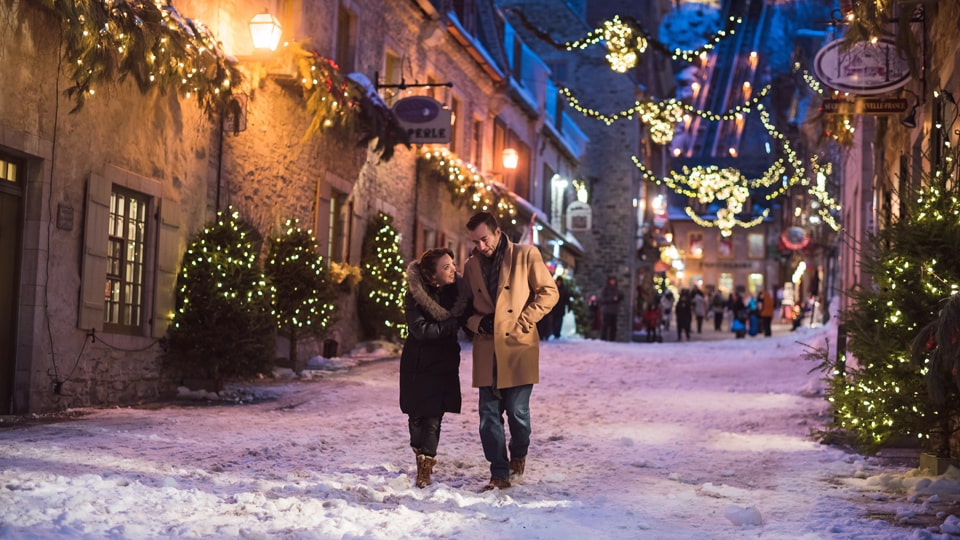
708, 439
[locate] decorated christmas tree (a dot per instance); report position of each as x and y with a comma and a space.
223, 326
303, 301
380, 299
884, 396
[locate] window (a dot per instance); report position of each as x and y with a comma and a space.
558, 71
755, 245
392, 74
725, 247
546, 202
336, 240
8, 171
754, 283
725, 283
123, 294
346, 50
499, 143
454, 128
465, 11
695, 247
477, 142
429, 239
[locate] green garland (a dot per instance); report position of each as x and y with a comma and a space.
106, 42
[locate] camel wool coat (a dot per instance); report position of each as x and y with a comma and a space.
527, 293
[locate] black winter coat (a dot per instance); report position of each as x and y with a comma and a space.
430, 361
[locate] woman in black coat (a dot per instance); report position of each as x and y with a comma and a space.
430, 362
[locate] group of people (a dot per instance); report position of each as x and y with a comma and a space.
505, 290
749, 315
752, 315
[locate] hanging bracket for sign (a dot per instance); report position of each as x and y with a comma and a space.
404, 85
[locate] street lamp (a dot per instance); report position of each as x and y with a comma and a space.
265, 31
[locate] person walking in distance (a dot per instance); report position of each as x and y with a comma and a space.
684, 311
430, 362
767, 308
699, 308
511, 291
717, 306
610, 298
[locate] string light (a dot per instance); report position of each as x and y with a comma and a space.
468, 186
600, 33
666, 109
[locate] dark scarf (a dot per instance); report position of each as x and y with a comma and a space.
491, 267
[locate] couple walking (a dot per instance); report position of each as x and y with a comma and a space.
504, 291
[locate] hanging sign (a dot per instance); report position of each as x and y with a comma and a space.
424, 119
874, 106
794, 238
579, 217
864, 68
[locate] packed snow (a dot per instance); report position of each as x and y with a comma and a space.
710, 438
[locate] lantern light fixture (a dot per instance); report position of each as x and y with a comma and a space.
265, 31
511, 158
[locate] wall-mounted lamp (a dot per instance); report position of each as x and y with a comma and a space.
265, 31
511, 158
910, 120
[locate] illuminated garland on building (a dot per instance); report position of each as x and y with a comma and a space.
622, 48
148, 41
105, 42
826, 205
666, 109
644, 38
469, 187
709, 184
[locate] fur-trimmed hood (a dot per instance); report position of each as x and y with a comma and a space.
420, 292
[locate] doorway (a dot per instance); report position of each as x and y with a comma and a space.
11, 233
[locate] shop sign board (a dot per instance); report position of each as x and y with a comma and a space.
424, 119
865, 68
579, 217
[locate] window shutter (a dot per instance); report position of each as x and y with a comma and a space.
168, 259
93, 272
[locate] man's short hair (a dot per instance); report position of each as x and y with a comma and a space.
482, 217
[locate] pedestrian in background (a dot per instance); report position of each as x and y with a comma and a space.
559, 311
430, 360
684, 315
717, 306
666, 308
699, 308
767, 309
610, 298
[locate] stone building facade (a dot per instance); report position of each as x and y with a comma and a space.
159, 152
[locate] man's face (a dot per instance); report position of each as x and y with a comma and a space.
484, 239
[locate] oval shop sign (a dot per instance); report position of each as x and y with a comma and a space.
424, 119
863, 69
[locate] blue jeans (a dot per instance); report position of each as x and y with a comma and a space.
515, 402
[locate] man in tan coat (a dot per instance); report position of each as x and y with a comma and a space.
512, 290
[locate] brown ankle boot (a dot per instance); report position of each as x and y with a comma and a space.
425, 465
516, 467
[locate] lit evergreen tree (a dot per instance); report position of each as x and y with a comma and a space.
380, 299
303, 301
223, 326
915, 267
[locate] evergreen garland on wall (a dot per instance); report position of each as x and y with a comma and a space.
223, 326
380, 300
